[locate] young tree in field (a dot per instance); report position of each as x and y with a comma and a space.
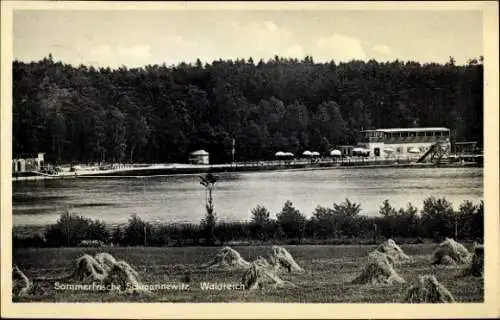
208, 223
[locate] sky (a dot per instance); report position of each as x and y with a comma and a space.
137, 38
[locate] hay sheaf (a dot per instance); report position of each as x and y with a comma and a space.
393, 250
106, 260
378, 271
428, 290
227, 258
87, 268
105, 269
261, 262
380, 255
450, 252
21, 285
124, 277
281, 258
259, 276
476, 266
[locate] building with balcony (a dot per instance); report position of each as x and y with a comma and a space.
403, 142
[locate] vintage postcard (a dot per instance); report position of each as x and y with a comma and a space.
250, 160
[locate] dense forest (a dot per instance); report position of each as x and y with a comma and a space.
160, 113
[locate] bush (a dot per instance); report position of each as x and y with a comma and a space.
387, 224
159, 236
386, 210
71, 229
292, 222
347, 208
345, 215
477, 222
97, 230
117, 236
470, 219
34, 241
401, 223
190, 233
231, 231
365, 226
438, 219
340, 224
137, 232
322, 223
224, 232
260, 224
408, 222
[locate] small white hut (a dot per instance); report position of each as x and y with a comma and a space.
199, 157
28, 162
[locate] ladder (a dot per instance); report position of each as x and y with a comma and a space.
435, 153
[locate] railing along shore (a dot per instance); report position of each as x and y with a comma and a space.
122, 170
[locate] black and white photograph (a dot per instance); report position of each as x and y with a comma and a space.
197, 153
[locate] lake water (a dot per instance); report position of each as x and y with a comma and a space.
182, 198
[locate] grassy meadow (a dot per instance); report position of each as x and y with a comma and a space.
328, 272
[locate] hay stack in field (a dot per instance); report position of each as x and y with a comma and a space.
428, 290
104, 269
476, 266
21, 285
128, 268
378, 270
450, 252
393, 250
260, 277
280, 257
227, 258
123, 276
87, 268
380, 255
261, 262
106, 260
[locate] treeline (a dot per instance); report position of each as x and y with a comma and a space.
160, 113
339, 224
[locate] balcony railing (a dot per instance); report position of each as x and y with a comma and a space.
417, 139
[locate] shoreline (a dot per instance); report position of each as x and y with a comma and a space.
188, 169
